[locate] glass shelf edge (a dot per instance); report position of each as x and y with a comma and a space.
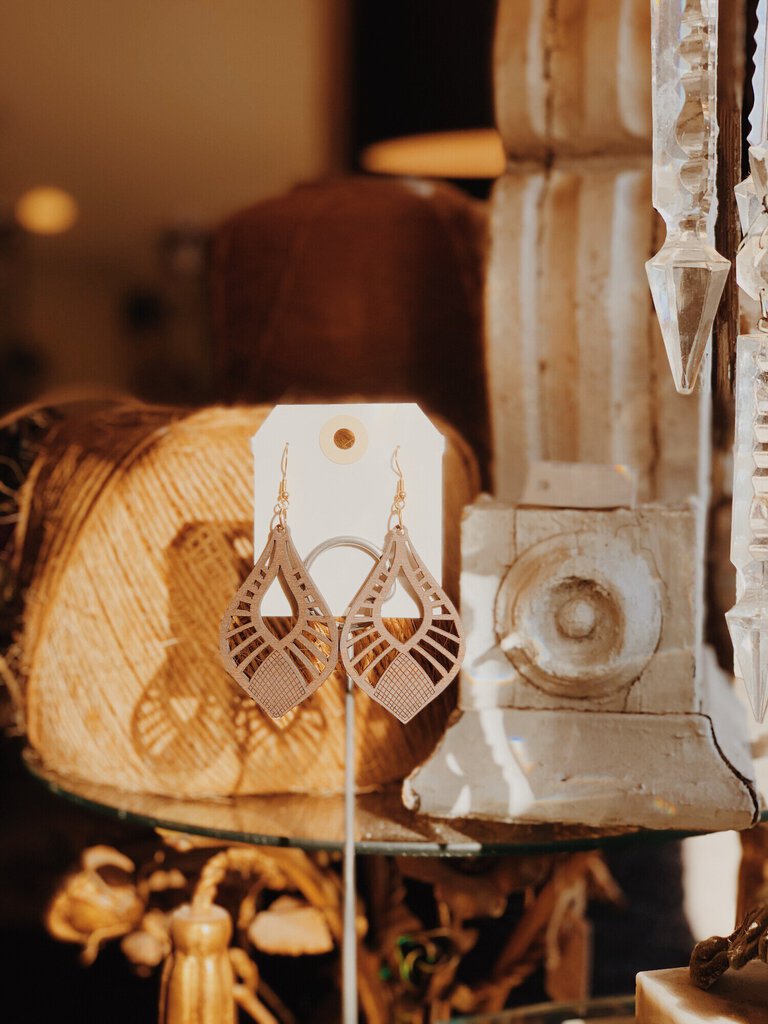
68, 790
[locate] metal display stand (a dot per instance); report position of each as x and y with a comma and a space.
349, 943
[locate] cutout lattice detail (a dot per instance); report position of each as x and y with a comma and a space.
279, 671
402, 675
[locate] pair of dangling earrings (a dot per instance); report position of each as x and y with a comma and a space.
403, 674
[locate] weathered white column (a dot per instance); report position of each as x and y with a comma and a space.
576, 366
586, 694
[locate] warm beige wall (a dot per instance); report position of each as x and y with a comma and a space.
147, 111
71, 309
151, 113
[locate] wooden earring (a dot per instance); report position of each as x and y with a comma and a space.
279, 672
401, 675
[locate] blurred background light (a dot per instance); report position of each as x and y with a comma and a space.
46, 210
467, 153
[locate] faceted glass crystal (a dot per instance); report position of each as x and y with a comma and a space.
748, 619
688, 276
760, 429
752, 258
750, 191
758, 517
748, 626
687, 280
761, 393
750, 472
748, 203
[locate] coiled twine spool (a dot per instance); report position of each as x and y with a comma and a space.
135, 531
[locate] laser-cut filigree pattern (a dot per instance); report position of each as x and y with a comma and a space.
402, 675
279, 672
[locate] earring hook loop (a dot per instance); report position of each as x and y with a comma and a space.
280, 511
398, 504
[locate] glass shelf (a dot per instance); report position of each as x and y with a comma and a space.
383, 825
611, 1010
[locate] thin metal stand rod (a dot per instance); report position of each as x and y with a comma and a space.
349, 938
349, 946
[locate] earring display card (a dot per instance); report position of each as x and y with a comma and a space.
341, 484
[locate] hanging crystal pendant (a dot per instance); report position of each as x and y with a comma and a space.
746, 193
687, 275
748, 626
748, 619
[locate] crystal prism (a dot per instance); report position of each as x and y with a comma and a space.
748, 626
758, 517
752, 259
758, 116
748, 204
747, 192
687, 281
687, 276
748, 619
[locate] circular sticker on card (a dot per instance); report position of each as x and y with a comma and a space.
344, 439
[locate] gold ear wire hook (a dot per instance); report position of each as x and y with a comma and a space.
284, 462
280, 511
399, 501
396, 463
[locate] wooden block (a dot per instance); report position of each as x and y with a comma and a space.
670, 997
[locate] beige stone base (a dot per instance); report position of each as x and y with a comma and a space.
592, 768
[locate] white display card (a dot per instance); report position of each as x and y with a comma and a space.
341, 484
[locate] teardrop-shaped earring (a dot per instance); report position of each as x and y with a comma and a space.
401, 675
279, 672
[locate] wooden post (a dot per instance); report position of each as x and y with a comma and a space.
730, 88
